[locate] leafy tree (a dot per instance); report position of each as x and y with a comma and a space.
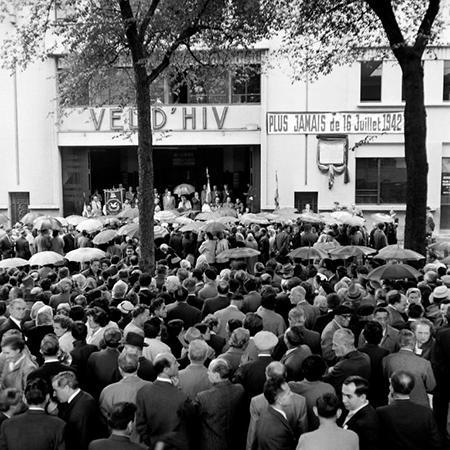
317, 35
152, 36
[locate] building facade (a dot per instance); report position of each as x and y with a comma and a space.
339, 139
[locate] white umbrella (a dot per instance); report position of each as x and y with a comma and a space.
85, 254
45, 258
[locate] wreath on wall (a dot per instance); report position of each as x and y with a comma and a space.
333, 169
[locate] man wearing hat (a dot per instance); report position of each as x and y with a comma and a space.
23, 246
439, 294
298, 297
341, 320
134, 344
253, 374
397, 304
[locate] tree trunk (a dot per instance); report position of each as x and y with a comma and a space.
145, 161
415, 152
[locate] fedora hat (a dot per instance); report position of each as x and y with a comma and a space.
135, 340
440, 293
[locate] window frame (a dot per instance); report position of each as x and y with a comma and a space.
361, 67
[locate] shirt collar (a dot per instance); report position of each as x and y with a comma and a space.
164, 380
73, 395
279, 411
34, 408
352, 413
51, 360
17, 322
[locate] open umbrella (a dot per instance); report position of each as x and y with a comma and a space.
285, 211
329, 219
47, 223
310, 218
238, 253
160, 232
62, 221
165, 216
183, 220
104, 237
184, 189
45, 258
393, 272
249, 219
90, 225
227, 219
131, 230
398, 253
75, 220
129, 213
382, 218
206, 216
350, 251
29, 218
194, 226
327, 246
13, 262
443, 246
213, 227
85, 254
307, 253
226, 212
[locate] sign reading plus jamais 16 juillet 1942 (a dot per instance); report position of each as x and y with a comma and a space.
335, 123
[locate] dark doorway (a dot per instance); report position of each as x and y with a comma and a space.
19, 203
301, 199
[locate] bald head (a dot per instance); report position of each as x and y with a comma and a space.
275, 370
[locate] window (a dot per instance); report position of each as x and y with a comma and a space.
380, 180
247, 85
116, 88
371, 81
446, 80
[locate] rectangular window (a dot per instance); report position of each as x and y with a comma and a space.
380, 180
371, 81
246, 85
446, 80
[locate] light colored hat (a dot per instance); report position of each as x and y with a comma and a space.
265, 340
440, 293
446, 280
125, 307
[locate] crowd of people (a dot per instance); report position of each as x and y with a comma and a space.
259, 353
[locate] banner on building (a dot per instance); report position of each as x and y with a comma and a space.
335, 123
113, 200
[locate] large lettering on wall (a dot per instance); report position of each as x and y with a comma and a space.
183, 118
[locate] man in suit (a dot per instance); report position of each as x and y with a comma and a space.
52, 366
296, 353
232, 311
209, 289
127, 388
352, 362
145, 294
297, 297
420, 368
194, 378
252, 300
79, 410
139, 316
181, 310
159, 414
34, 429
312, 387
361, 416
389, 341
81, 352
328, 435
342, 317
273, 431
219, 301
404, 423
17, 309
253, 374
220, 410
102, 367
294, 407
311, 338
7, 245
397, 304
272, 321
189, 284
23, 246
120, 421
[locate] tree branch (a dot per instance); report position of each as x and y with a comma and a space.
147, 18
423, 34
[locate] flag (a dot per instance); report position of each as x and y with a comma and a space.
208, 188
277, 195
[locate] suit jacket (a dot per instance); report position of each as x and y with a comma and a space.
34, 338
251, 302
33, 429
8, 324
311, 339
311, 391
353, 363
396, 320
23, 248
296, 412
48, 370
272, 321
209, 290
273, 432
253, 375
406, 425
366, 425
194, 301
311, 314
329, 437
221, 417
322, 321
194, 379
419, 367
440, 359
187, 313
102, 369
226, 314
6, 247
159, 412
293, 361
389, 340
326, 342
115, 442
213, 304
15, 376
83, 422
80, 355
